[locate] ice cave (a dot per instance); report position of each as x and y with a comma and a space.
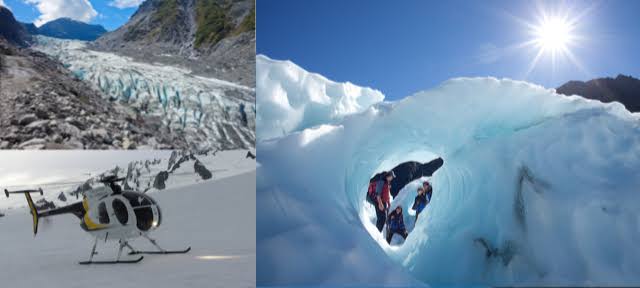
536, 187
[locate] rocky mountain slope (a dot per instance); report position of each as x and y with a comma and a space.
11, 30
623, 89
66, 28
213, 38
44, 106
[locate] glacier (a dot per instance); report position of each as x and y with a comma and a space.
536, 189
210, 112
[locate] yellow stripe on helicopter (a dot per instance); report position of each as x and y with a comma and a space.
87, 220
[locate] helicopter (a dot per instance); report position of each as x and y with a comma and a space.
109, 213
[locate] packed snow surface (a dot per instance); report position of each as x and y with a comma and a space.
536, 189
213, 112
292, 99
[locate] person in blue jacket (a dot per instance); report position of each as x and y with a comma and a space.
395, 224
423, 198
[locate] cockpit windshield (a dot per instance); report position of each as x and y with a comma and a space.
142, 208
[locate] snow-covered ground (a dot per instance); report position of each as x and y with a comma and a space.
215, 217
223, 111
536, 189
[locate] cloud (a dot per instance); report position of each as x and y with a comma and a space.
122, 4
80, 10
488, 53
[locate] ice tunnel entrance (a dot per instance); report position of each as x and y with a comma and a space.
409, 175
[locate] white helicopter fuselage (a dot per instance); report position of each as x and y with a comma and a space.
119, 216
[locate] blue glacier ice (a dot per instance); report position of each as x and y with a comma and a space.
206, 109
536, 189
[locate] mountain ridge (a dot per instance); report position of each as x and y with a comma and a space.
212, 38
12, 30
67, 28
624, 89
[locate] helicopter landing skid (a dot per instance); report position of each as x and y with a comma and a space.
133, 261
161, 252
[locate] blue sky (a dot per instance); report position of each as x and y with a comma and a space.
109, 13
402, 47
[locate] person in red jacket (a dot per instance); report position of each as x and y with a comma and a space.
384, 200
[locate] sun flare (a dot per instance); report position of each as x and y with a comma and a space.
553, 35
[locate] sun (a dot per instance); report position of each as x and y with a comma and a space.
553, 34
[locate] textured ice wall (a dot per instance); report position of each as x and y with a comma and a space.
212, 112
537, 188
292, 99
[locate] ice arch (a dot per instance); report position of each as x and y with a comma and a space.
537, 188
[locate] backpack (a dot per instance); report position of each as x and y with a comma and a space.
375, 189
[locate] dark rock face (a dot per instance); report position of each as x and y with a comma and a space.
61, 197
220, 33
623, 89
43, 204
159, 181
202, 170
409, 171
44, 106
86, 186
66, 28
11, 30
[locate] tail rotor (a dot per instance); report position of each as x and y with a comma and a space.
32, 206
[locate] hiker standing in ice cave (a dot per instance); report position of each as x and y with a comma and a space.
423, 198
379, 194
395, 224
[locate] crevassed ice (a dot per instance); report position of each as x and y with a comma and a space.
292, 99
536, 188
214, 113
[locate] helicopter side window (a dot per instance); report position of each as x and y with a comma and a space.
103, 216
121, 211
142, 209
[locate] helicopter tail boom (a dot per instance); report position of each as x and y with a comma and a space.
32, 206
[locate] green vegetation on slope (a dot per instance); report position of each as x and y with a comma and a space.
166, 16
213, 22
248, 23
162, 19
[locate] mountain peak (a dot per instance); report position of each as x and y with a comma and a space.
11, 30
220, 33
624, 89
67, 28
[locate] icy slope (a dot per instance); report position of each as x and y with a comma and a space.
211, 112
536, 189
210, 217
292, 99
